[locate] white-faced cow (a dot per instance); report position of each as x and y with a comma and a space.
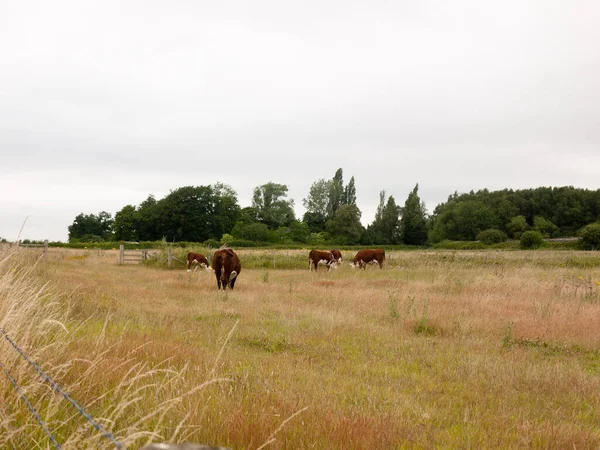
372, 256
198, 259
337, 255
227, 266
323, 257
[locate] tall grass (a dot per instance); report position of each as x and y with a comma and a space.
132, 397
440, 349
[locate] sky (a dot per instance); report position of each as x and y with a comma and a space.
104, 103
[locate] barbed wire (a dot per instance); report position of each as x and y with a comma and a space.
57, 388
30, 406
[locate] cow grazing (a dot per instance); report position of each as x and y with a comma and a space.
227, 266
198, 259
364, 257
337, 255
323, 257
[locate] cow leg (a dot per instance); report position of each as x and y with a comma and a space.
218, 275
232, 282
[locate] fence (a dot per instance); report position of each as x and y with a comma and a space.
134, 256
82, 411
44, 246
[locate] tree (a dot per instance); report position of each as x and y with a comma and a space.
350, 193
187, 214
318, 197
148, 214
531, 240
226, 209
590, 237
413, 225
517, 226
345, 226
316, 205
257, 232
193, 213
126, 223
544, 226
272, 207
336, 193
385, 228
462, 221
91, 227
299, 231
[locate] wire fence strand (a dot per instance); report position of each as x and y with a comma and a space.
56, 387
31, 407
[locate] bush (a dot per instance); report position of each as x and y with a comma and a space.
212, 243
459, 245
531, 240
491, 236
590, 237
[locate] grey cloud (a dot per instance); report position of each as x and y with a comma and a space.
453, 96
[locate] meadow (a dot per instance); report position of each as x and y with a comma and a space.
439, 349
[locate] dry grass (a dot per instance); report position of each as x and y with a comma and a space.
437, 350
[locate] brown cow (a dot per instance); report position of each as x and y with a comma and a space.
364, 257
316, 257
337, 255
199, 259
227, 266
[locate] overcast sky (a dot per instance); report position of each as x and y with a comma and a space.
103, 103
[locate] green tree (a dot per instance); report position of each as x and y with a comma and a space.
345, 227
413, 225
314, 221
257, 232
316, 205
544, 226
531, 240
148, 214
272, 207
385, 229
336, 193
350, 193
91, 227
590, 237
299, 231
226, 209
517, 226
187, 214
125, 225
462, 221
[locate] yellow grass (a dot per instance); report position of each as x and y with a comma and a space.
437, 350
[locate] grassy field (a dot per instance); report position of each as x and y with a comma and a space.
439, 349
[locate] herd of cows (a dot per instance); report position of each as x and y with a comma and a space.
227, 266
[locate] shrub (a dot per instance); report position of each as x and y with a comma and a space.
590, 237
491, 236
531, 240
459, 245
212, 243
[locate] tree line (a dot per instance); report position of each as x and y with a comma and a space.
212, 214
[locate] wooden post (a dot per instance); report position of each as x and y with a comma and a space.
121, 253
170, 258
274, 259
45, 247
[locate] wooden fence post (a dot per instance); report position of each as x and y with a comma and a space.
45, 247
121, 253
170, 258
